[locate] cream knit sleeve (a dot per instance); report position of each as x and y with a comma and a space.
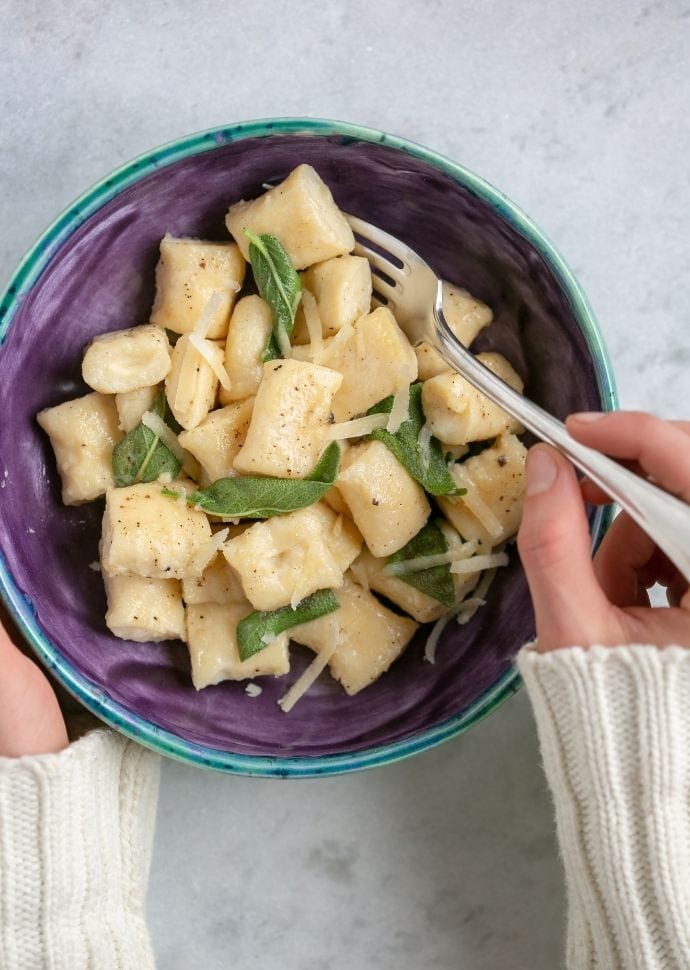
76, 831
614, 726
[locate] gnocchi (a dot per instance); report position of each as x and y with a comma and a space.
273, 463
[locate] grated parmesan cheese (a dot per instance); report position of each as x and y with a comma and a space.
313, 322
205, 349
203, 324
424, 442
476, 504
476, 564
312, 672
420, 563
253, 690
96, 566
356, 428
478, 599
399, 412
433, 638
154, 423
187, 381
207, 553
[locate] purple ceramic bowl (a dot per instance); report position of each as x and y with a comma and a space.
93, 271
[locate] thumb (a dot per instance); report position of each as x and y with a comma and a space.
555, 548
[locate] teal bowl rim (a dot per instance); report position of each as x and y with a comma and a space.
20, 606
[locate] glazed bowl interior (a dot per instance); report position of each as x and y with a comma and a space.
93, 271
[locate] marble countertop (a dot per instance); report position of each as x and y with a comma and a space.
579, 113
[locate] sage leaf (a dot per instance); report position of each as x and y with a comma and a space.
249, 497
433, 475
436, 581
141, 456
279, 285
254, 632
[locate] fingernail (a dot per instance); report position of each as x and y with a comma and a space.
541, 472
587, 416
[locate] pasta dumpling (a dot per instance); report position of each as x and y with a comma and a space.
83, 433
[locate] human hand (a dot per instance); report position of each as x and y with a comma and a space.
577, 602
31, 720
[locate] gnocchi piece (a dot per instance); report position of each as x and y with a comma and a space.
126, 360
466, 316
189, 273
250, 327
370, 637
337, 502
342, 289
387, 505
375, 359
288, 557
287, 432
370, 573
301, 213
219, 583
143, 609
191, 385
212, 641
83, 433
217, 440
495, 480
149, 534
131, 405
457, 413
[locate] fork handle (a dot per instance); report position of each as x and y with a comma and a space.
663, 517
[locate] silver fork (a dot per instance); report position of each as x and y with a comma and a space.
415, 295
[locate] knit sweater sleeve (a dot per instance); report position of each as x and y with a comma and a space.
76, 831
614, 728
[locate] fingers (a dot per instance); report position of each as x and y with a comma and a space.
555, 548
621, 560
662, 448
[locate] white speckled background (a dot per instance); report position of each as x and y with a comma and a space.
579, 112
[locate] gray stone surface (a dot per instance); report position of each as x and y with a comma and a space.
579, 113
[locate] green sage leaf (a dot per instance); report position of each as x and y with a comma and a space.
437, 581
141, 456
433, 475
279, 285
253, 631
249, 497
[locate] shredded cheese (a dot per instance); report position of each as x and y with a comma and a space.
187, 380
433, 638
313, 322
156, 424
478, 599
356, 428
424, 442
207, 553
96, 566
208, 314
208, 351
476, 564
399, 412
476, 504
312, 672
253, 690
420, 563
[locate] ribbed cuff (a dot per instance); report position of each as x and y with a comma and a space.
614, 726
76, 831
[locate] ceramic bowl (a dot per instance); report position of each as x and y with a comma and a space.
93, 271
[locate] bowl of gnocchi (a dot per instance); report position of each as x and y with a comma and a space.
243, 519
